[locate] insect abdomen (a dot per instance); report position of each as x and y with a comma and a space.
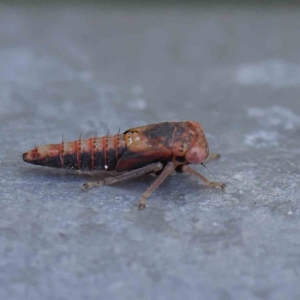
95, 153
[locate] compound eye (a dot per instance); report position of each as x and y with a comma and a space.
196, 155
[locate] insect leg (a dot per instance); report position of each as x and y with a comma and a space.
212, 156
125, 176
168, 170
188, 169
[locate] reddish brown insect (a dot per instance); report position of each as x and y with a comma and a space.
157, 148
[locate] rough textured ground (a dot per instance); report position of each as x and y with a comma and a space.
79, 70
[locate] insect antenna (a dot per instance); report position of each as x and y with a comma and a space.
208, 170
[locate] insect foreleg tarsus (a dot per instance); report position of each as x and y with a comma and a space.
188, 169
168, 170
155, 167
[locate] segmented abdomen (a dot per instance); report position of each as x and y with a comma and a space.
97, 153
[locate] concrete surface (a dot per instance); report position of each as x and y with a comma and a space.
70, 70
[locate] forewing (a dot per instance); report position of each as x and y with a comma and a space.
140, 154
143, 128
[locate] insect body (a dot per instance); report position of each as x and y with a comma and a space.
160, 148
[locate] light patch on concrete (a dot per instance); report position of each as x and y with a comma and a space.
137, 90
276, 73
138, 104
275, 116
262, 139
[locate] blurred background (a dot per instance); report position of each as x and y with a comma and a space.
86, 67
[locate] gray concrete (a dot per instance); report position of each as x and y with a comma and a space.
70, 70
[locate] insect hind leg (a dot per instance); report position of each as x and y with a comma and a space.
124, 176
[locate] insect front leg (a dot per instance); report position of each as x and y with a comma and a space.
168, 170
125, 176
188, 169
213, 156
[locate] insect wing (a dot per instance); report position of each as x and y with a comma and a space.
142, 128
140, 154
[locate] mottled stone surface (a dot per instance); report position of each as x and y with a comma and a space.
70, 70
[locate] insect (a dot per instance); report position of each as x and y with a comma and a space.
162, 148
